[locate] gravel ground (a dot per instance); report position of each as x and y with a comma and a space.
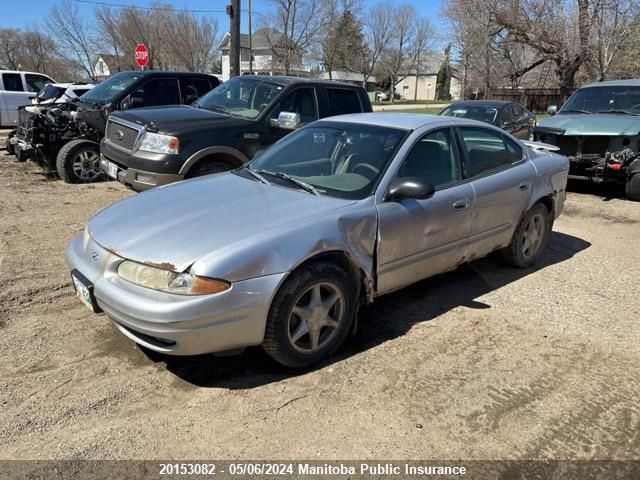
486, 362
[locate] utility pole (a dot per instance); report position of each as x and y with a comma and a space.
250, 46
233, 11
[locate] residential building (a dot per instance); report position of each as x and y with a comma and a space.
420, 83
263, 44
349, 77
106, 65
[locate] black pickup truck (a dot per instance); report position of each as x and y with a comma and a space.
221, 131
65, 137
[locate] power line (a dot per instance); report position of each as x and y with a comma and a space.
119, 5
171, 9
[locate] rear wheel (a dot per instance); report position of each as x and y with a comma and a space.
208, 167
632, 188
9, 145
79, 162
530, 238
310, 315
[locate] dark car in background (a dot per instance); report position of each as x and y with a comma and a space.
509, 116
598, 129
223, 130
66, 137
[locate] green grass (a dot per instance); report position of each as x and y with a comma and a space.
411, 102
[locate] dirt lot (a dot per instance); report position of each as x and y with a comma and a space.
492, 363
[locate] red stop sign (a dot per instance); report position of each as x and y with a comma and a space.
142, 55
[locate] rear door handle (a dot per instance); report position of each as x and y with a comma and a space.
461, 204
524, 186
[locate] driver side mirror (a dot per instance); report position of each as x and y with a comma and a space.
286, 121
552, 109
409, 187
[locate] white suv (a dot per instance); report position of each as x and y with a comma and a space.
17, 89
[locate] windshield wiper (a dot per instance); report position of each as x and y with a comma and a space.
219, 108
614, 110
295, 181
575, 110
256, 175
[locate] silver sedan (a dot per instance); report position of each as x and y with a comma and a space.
283, 251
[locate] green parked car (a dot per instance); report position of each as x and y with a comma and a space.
598, 129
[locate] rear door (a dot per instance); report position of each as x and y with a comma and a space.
14, 96
342, 101
192, 88
501, 177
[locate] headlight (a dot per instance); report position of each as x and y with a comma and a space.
168, 281
156, 143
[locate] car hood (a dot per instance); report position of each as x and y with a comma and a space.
178, 118
594, 124
174, 226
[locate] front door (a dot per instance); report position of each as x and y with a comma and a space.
420, 238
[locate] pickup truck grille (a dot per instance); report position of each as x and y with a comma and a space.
122, 136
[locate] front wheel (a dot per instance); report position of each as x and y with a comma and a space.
310, 315
208, 167
530, 238
79, 162
632, 188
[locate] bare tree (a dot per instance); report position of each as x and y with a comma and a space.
378, 30
193, 42
293, 27
73, 36
10, 43
410, 39
613, 24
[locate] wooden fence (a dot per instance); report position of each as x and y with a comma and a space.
534, 99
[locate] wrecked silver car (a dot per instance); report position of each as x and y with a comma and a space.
281, 252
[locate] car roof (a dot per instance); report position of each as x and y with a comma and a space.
291, 80
615, 83
24, 71
485, 103
404, 121
152, 73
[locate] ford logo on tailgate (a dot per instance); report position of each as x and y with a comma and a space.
118, 135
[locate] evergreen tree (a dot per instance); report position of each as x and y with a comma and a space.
343, 44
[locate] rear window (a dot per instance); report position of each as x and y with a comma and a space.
35, 83
12, 82
193, 88
342, 101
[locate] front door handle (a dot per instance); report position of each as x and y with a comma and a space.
461, 204
524, 186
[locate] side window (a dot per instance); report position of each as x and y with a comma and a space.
161, 91
35, 83
507, 115
434, 159
343, 100
193, 88
302, 101
12, 82
518, 112
488, 150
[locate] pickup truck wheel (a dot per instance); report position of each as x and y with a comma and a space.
311, 315
208, 167
632, 188
79, 162
8, 145
530, 238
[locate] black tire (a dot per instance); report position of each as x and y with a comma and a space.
208, 167
10, 146
79, 162
516, 253
632, 188
300, 285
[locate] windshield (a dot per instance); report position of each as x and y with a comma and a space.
49, 92
108, 90
604, 99
481, 113
241, 96
341, 160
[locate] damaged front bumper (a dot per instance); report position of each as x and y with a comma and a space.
169, 323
